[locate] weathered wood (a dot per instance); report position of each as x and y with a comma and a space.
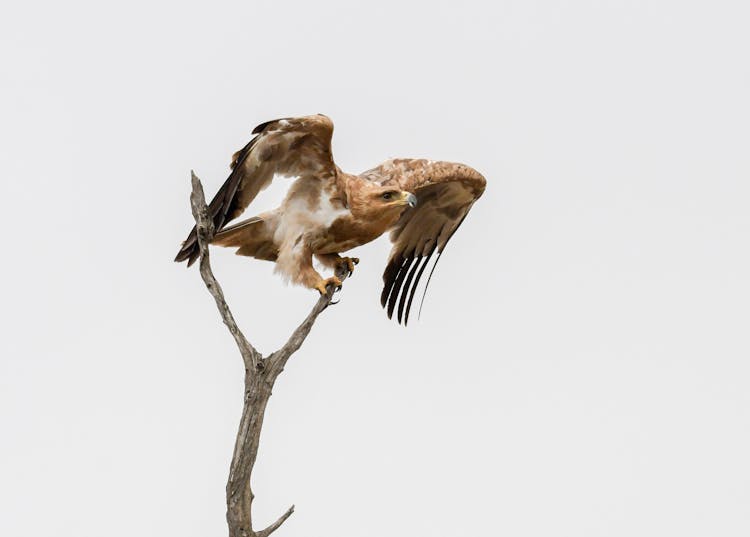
205, 231
260, 375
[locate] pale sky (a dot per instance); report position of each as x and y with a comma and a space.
582, 363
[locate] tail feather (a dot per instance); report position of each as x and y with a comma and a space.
233, 235
189, 251
252, 237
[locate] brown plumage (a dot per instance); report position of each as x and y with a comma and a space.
326, 211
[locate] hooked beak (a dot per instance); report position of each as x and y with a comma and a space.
410, 199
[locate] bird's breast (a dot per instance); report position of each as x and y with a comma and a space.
345, 233
319, 218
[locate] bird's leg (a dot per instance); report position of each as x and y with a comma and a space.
335, 261
309, 277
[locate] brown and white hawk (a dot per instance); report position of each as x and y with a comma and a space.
327, 211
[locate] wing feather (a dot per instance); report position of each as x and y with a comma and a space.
445, 192
292, 147
416, 283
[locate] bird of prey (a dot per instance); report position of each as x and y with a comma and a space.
327, 211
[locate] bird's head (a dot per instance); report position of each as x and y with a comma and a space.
388, 198
379, 205
383, 203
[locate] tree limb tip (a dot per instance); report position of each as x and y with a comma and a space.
273, 527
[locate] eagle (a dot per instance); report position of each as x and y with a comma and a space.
327, 212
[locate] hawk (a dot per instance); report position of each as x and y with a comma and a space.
327, 211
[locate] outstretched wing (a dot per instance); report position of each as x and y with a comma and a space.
445, 192
292, 147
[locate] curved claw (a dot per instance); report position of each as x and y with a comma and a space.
322, 285
353, 261
348, 263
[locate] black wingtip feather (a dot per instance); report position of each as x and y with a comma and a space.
220, 209
393, 296
260, 128
389, 276
406, 287
440, 252
416, 284
424, 293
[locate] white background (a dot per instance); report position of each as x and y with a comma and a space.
581, 365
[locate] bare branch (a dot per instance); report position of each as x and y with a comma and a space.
260, 375
277, 360
273, 527
205, 230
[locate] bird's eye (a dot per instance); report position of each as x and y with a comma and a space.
387, 195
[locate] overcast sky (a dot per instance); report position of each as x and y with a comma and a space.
581, 366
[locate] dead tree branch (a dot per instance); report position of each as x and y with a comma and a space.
260, 375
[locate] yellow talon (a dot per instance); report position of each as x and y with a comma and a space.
349, 262
322, 285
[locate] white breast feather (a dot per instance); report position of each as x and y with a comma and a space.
298, 220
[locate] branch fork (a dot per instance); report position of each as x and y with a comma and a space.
260, 375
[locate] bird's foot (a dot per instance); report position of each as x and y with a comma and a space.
322, 285
347, 263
